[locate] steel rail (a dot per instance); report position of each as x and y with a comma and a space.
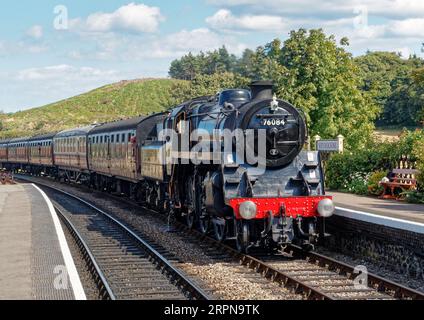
180, 279
391, 288
267, 271
105, 290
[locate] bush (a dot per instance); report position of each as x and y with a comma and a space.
374, 187
417, 196
347, 171
357, 184
342, 169
419, 154
414, 197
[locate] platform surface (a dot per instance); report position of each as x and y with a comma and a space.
379, 208
35, 261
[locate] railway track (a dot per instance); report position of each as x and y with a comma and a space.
123, 265
314, 276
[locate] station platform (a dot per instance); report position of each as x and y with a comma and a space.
35, 260
390, 213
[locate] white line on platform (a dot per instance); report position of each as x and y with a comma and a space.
77, 288
381, 220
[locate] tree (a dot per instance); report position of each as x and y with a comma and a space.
322, 79
204, 85
418, 76
190, 66
186, 68
244, 64
266, 62
387, 77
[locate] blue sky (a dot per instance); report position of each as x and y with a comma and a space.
107, 41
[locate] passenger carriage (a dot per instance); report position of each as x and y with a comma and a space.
40, 154
71, 154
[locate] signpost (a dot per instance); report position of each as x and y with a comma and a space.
327, 146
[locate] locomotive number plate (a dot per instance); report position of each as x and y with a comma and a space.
273, 122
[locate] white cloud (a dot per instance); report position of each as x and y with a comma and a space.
391, 8
3, 48
407, 28
22, 47
50, 83
225, 20
63, 72
35, 32
170, 46
196, 40
135, 18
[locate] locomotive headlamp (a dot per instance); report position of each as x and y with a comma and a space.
326, 208
248, 210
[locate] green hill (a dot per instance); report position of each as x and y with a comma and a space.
111, 102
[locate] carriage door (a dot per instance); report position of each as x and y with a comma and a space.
108, 150
40, 152
78, 153
132, 152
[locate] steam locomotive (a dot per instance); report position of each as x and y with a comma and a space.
232, 164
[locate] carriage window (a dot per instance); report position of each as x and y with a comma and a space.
113, 139
117, 138
101, 139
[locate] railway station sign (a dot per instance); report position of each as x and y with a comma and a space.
335, 145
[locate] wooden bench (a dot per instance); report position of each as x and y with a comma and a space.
400, 180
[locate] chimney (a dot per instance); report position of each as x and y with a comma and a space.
262, 90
